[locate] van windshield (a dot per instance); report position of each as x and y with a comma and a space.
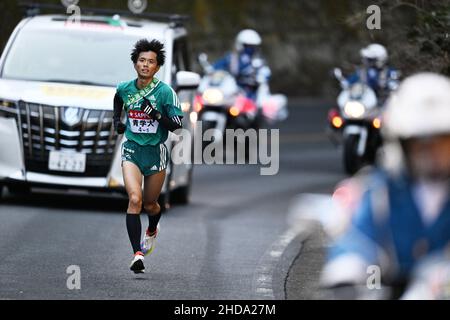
72, 56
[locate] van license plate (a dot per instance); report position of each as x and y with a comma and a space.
67, 161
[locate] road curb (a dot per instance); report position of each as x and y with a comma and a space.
273, 268
302, 279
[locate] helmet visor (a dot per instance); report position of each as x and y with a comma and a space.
371, 63
249, 49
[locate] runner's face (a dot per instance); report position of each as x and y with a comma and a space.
146, 65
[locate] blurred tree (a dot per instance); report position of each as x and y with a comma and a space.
416, 32
302, 40
429, 39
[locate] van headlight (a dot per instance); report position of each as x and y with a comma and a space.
7, 108
7, 104
354, 109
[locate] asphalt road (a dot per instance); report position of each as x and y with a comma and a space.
220, 246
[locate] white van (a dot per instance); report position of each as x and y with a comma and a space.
57, 83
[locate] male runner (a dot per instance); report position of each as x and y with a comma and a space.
152, 109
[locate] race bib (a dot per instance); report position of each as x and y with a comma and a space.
140, 122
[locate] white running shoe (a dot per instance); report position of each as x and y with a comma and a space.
148, 242
137, 264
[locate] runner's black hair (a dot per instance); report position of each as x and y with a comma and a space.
144, 45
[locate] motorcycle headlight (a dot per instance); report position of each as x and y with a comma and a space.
212, 96
354, 109
185, 106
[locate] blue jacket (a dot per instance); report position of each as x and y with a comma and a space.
240, 66
375, 78
399, 230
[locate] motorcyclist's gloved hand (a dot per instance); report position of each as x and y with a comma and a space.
147, 107
119, 127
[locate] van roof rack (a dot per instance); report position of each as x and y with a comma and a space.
33, 8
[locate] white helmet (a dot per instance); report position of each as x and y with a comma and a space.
375, 52
247, 37
419, 108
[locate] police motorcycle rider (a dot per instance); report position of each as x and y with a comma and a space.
247, 66
375, 72
403, 213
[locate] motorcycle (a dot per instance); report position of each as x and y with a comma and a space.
221, 104
272, 108
356, 123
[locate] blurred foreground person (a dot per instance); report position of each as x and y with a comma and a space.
403, 214
375, 71
246, 65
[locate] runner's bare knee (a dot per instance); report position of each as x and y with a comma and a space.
135, 202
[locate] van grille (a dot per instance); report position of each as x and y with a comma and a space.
45, 128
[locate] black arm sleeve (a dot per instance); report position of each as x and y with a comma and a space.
119, 127
171, 124
118, 106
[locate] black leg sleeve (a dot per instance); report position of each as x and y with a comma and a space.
153, 222
134, 231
